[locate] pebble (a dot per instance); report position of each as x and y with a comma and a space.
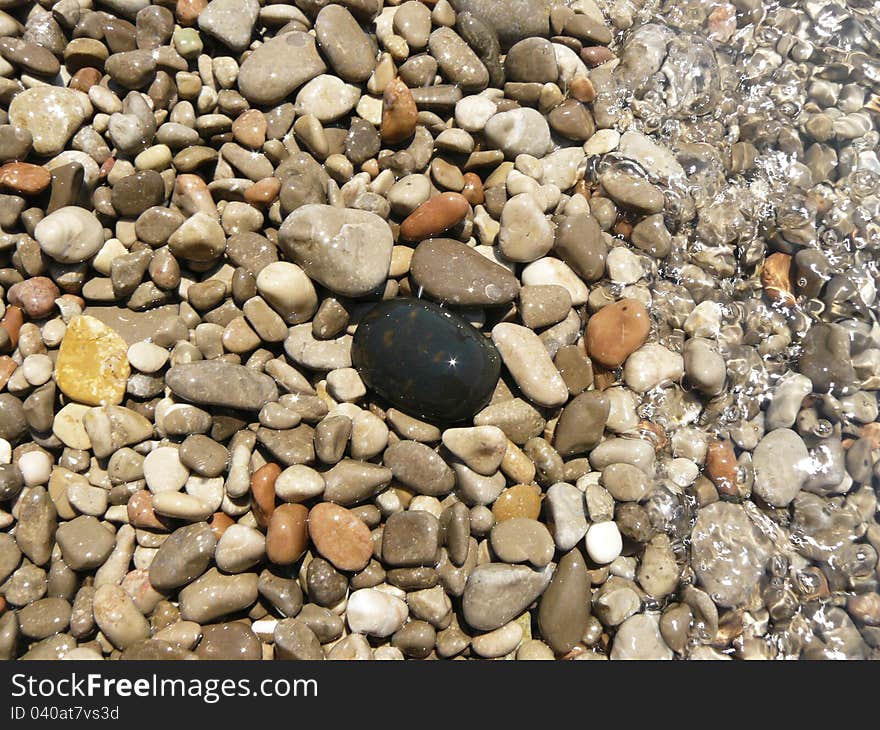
529, 363
616, 331
118, 618
518, 132
278, 67
604, 542
457, 368
51, 114
230, 21
340, 536
239, 548
435, 216
69, 235
525, 234
782, 465
221, 384
215, 595
92, 366
348, 251
85, 543
519, 540
495, 593
565, 510
639, 638
732, 552
375, 613
182, 557
564, 610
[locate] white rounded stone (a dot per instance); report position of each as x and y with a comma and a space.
375, 613
35, 467
604, 542
163, 471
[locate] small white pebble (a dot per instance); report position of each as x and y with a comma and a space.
35, 467
5, 451
147, 357
53, 332
37, 369
604, 542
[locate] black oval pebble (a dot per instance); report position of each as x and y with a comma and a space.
425, 360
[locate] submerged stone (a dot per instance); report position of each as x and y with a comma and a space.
425, 360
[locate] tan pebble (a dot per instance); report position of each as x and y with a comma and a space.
520, 500
7, 367
582, 89
340, 536
12, 322
616, 331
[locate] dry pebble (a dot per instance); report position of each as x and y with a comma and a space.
469, 329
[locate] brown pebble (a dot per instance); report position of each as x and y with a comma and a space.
263, 192
35, 296
582, 89
616, 331
85, 79
776, 279
721, 466
219, 522
7, 367
399, 113
340, 536
263, 491
596, 55
12, 322
287, 536
249, 128
24, 178
141, 514
473, 189
520, 500
434, 216
187, 11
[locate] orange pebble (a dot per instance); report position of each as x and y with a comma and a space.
263, 491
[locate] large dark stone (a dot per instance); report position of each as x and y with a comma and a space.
425, 360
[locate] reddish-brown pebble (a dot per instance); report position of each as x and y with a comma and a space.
219, 522
434, 216
288, 534
263, 192
263, 491
596, 55
140, 511
187, 11
35, 296
399, 113
85, 79
106, 166
249, 128
24, 178
721, 466
12, 322
340, 537
7, 367
473, 188
616, 331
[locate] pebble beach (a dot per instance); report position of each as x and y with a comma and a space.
439, 329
